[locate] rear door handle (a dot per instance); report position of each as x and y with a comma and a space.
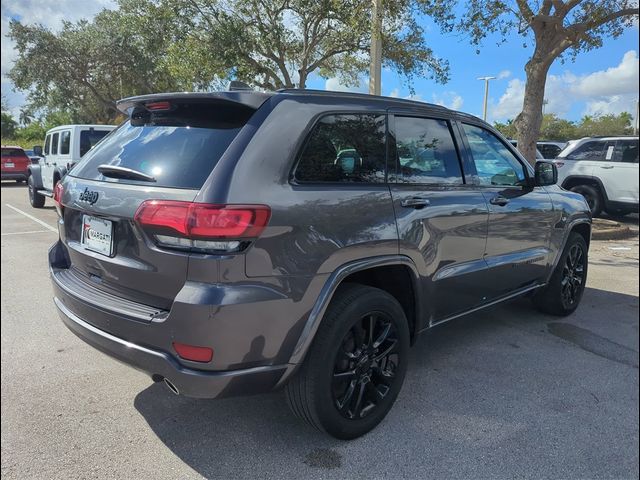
415, 202
499, 200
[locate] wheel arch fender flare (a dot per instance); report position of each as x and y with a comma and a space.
331, 285
570, 227
588, 180
35, 172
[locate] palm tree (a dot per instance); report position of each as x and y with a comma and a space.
25, 117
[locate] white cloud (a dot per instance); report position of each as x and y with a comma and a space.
612, 81
613, 90
448, 99
504, 74
395, 93
334, 84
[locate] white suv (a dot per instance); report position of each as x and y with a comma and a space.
604, 170
63, 148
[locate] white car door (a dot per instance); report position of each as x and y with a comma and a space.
622, 179
46, 167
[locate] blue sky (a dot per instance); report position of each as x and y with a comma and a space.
598, 82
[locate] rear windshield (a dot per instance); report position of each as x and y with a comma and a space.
178, 147
13, 152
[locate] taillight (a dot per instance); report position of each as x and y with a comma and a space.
201, 226
58, 190
57, 193
158, 106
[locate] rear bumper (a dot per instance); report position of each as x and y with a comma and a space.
13, 175
189, 382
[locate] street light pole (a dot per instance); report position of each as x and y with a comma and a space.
375, 69
486, 95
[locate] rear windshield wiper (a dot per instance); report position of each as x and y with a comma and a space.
123, 172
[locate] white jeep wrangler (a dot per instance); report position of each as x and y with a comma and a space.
63, 147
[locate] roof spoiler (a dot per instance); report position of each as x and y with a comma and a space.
246, 98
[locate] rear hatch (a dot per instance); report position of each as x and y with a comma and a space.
164, 152
14, 160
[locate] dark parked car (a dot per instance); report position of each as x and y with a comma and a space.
15, 163
238, 242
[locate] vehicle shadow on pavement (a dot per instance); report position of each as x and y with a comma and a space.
485, 383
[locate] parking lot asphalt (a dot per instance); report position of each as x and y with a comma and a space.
504, 393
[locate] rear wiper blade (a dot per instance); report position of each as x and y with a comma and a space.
123, 172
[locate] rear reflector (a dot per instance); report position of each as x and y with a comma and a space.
193, 353
203, 221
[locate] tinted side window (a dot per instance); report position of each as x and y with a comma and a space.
344, 148
54, 143
47, 144
425, 152
549, 151
588, 151
65, 141
88, 138
495, 164
626, 151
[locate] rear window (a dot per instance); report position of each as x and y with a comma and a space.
89, 138
13, 152
179, 147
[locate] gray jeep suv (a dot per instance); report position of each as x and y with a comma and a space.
238, 242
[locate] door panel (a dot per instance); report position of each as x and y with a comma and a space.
442, 222
619, 171
521, 217
518, 239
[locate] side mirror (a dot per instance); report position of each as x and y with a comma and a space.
37, 150
546, 173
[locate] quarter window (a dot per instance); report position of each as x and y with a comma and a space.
54, 143
495, 164
345, 148
425, 152
47, 144
65, 141
626, 151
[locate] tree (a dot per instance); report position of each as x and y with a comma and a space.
507, 129
25, 117
606, 125
278, 44
86, 67
554, 128
8, 124
555, 27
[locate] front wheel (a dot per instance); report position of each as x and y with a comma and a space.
592, 196
35, 199
356, 365
564, 291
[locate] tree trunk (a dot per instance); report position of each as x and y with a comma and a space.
529, 121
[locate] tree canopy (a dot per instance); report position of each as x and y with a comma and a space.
555, 29
149, 46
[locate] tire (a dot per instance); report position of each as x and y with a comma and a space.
356, 401
552, 299
618, 212
593, 197
36, 199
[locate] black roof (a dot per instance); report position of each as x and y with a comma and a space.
254, 100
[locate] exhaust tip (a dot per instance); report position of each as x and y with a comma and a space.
171, 386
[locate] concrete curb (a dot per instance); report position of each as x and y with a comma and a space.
610, 230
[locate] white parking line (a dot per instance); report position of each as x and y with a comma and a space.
31, 217
24, 233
